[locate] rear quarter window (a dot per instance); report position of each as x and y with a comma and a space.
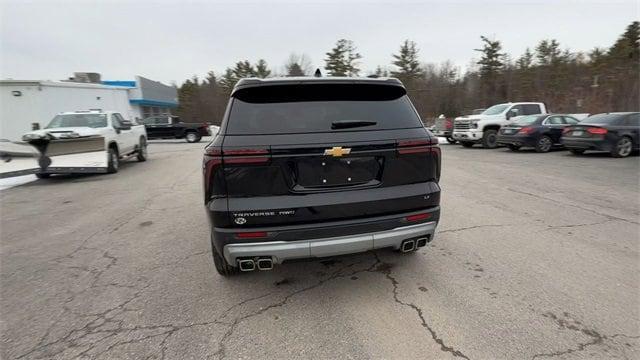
289, 109
613, 119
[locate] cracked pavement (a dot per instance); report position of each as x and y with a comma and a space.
536, 256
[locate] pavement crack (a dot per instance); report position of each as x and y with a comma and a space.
610, 217
471, 227
387, 272
221, 352
566, 322
553, 227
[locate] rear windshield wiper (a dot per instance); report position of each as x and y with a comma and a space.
345, 124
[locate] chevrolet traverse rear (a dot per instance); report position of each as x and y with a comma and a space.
317, 167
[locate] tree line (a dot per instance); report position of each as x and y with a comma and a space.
601, 80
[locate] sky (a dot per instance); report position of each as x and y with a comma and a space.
171, 41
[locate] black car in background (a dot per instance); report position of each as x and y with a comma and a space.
316, 167
616, 133
540, 131
171, 127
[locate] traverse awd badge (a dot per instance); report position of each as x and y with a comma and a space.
337, 151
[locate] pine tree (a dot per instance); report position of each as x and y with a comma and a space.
525, 61
342, 59
407, 62
297, 65
548, 52
228, 80
380, 72
491, 60
261, 69
628, 45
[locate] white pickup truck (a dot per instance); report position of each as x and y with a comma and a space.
87, 142
483, 128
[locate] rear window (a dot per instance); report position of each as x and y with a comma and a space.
526, 120
602, 119
290, 109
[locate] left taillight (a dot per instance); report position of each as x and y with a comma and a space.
245, 156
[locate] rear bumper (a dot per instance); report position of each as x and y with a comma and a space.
516, 140
281, 251
443, 133
586, 144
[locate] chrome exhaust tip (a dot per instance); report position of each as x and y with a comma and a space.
421, 242
265, 264
246, 265
408, 245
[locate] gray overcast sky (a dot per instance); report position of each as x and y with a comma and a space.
173, 40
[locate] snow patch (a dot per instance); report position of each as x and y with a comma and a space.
16, 181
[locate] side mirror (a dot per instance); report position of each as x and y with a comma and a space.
511, 113
125, 125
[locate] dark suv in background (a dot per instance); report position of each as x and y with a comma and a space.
316, 167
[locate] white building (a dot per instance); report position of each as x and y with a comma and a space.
25, 102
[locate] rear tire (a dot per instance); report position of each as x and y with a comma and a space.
114, 161
576, 151
192, 137
142, 150
489, 139
222, 266
513, 147
451, 140
623, 147
43, 176
543, 144
466, 144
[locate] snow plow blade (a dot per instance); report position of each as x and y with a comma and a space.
82, 155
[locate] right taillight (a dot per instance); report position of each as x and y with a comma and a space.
597, 130
417, 146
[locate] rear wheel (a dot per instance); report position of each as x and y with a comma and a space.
114, 161
451, 140
513, 147
142, 150
43, 176
622, 148
576, 151
490, 139
222, 266
192, 137
466, 144
543, 144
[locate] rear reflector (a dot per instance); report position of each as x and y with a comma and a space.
246, 160
597, 130
251, 235
246, 152
418, 217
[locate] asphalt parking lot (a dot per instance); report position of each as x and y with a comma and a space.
537, 256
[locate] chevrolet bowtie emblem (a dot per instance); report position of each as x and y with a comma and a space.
337, 151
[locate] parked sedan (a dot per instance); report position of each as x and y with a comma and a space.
616, 133
540, 131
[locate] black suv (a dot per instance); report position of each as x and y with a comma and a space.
316, 167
